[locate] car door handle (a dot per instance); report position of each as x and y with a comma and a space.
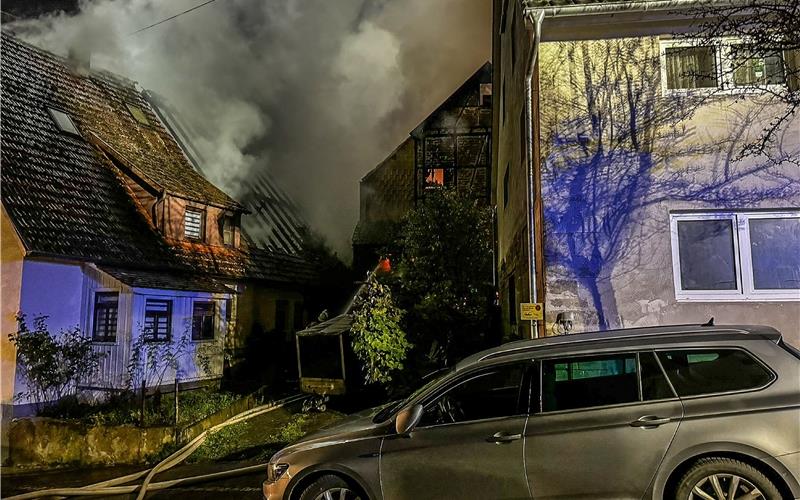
650, 421
503, 437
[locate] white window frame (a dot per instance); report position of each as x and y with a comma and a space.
723, 64
745, 290
218, 309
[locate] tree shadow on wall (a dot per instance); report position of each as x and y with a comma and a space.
615, 145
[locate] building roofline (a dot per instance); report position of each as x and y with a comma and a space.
589, 9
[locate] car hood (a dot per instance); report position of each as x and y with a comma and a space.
356, 426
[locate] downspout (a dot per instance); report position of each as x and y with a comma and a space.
533, 21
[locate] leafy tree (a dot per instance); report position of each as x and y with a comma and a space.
378, 340
52, 365
445, 276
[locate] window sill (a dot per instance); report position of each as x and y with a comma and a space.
742, 298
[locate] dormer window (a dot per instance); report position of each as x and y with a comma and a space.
63, 121
228, 230
194, 224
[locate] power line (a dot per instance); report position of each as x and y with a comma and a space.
173, 17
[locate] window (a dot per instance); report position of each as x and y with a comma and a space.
138, 114
589, 381
434, 178
63, 121
106, 305
505, 185
689, 67
654, 384
736, 256
486, 95
203, 321
157, 320
708, 371
228, 230
493, 393
193, 223
752, 67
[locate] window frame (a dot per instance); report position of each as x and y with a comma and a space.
723, 65
528, 367
52, 110
106, 339
720, 348
153, 337
745, 289
202, 213
214, 320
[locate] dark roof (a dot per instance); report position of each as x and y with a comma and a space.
67, 195
168, 281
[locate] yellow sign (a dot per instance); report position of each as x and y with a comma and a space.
531, 311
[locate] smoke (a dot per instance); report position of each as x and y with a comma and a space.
315, 91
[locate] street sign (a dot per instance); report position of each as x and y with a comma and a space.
531, 311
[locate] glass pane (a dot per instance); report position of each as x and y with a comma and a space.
694, 372
752, 67
654, 383
587, 382
691, 67
491, 394
775, 249
706, 252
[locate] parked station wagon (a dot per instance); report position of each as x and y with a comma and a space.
686, 412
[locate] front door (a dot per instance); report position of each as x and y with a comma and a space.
603, 429
469, 443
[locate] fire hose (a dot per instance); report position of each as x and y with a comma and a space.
116, 486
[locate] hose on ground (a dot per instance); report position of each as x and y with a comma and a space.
114, 486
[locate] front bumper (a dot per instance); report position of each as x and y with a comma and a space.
275, 490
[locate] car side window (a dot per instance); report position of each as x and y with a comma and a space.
654, 384
495, 392
706, 371
585, 382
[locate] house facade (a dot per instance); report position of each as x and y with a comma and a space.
450, 149
106, 226
621, 192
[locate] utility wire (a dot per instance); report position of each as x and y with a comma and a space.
172, 17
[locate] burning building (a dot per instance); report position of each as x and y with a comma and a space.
450, 149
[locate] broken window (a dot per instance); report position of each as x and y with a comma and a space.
193, 223
63, 121
105, 317
157, 320
434, 178
203, 321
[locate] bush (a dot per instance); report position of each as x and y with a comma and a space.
52, 365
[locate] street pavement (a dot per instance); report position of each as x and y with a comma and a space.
246, 487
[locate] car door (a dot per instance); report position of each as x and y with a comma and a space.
469, 442
604, 426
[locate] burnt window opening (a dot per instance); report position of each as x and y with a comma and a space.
157, 320
63, 121
228, 230
193, 224
106, 306
203, 314
137, 114
486, 95
434, 178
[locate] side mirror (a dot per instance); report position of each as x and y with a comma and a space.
407, 419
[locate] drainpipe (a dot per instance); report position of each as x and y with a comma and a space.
533, 21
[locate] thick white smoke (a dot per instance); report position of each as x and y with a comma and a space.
315, 91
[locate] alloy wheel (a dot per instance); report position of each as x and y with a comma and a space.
338, 494
725, 487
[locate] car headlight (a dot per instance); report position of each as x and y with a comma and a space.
275, 471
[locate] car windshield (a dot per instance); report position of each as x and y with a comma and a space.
390, 408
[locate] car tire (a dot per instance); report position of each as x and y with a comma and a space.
726, 472
330, 487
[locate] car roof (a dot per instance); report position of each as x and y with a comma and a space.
627, 337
